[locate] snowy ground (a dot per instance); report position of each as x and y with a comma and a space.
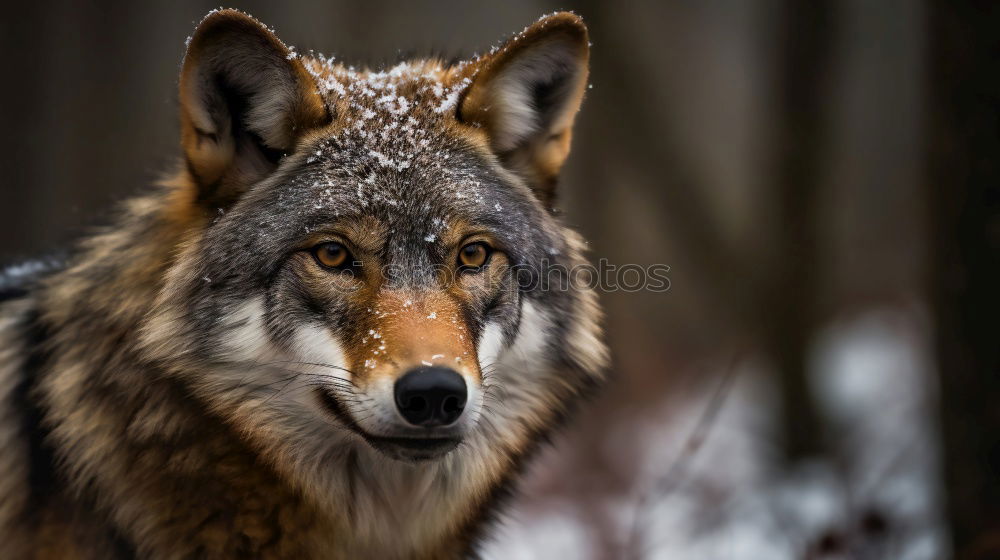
727, 498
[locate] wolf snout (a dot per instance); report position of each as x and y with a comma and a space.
431, 396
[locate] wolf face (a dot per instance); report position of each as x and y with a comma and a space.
357, 275
329, 335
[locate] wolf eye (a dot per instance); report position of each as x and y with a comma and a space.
331, 255
473, 256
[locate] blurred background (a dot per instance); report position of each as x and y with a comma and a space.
822, 378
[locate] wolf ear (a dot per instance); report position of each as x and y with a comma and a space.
526, 95
245, 99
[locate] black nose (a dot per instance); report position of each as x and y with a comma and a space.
430, 396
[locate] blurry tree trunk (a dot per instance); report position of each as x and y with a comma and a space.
964, 184
775, 296
788, 309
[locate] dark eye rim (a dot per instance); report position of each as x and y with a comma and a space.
350, 263
470, 269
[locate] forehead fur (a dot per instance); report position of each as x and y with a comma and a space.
419, 88
394, 122
391, 122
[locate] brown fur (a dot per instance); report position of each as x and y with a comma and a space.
119, 439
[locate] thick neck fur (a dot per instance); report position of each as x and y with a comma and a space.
172, 479
133, 436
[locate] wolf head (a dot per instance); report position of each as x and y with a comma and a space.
359, 270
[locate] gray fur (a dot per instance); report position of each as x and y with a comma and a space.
163, 391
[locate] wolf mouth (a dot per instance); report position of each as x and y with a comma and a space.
414, 449
404, 448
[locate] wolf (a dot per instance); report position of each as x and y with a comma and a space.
324, 335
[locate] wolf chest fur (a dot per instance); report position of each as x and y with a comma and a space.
325, 335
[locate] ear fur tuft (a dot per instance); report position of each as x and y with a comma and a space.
526, 95
245, 99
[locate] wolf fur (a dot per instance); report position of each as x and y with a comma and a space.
189, 383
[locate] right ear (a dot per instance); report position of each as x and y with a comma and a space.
525, 96
245, 99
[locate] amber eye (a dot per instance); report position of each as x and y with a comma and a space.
332, 255
474, 255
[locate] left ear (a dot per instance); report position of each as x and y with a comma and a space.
245, 100
526, 95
